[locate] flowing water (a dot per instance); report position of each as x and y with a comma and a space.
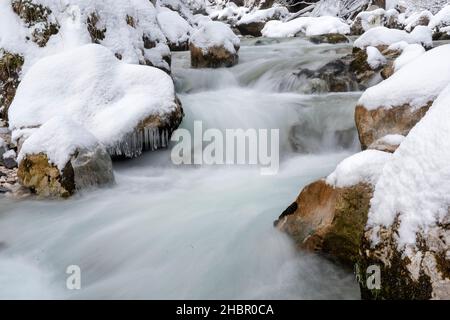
166, 231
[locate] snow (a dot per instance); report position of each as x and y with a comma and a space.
90, 86
310, 26
441, 19
231, 12
415, 183
413, 20
59, 138
392, 139
10, 154
365, 166
371, 19
174, 27
417, 83
410, 53
374, 58
383, 36
72, 15
215, 34
264, 15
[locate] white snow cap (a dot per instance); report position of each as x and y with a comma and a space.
10, 154
383, 36
215, 34
310, 26
374, 58
410, 53
264, 15
174, 27
417, 83
92, 87
415, 184
59, 138
365, 166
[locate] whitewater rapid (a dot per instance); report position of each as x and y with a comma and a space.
185, 232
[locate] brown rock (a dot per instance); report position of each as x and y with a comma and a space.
328, 220
214, 57
86, 168
375, 124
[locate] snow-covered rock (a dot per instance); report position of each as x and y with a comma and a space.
409, 53
441, 19
61, 157
418, 19
175, 28
363, 167
214, 45
129, 28
381, 36
408, 220
367, 20
253, 22
395, 105
374, 58
310, 26
128, 108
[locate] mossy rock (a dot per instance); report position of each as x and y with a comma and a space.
37, 16
45, 179
10, 68
328, 220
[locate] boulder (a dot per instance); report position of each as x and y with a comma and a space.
408, 230
375, 124
128, 108
251, 28
214, 45
328, 220
330, 215
62, 157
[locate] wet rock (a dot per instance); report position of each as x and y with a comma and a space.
10, 69
251, 29
375, 124
214, 57
332, 38
328, 220
9, 163
86, 168
38, 18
